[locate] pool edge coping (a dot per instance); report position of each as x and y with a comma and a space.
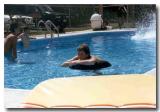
74, 33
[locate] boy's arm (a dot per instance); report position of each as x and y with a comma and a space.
74, 58
84, 62
68, 62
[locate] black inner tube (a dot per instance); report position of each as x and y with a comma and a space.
96, 66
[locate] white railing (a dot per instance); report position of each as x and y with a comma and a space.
48, 24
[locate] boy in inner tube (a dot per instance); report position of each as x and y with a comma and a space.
83, 57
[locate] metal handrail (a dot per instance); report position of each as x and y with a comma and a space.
47, 27
51, 23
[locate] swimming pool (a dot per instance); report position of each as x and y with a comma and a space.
45, 56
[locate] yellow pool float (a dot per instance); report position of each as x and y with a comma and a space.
110, 91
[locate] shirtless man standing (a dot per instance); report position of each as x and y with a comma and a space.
10, 42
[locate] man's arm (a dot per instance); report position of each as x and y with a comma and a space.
14, 48
20, 36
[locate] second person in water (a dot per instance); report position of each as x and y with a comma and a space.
83, 57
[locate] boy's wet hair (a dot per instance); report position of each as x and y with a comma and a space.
13, 26
85, 48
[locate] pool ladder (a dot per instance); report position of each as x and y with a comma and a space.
48, 24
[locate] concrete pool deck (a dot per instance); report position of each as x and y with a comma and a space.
153, 71
14, 97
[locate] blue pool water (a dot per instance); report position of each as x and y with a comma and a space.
127, 56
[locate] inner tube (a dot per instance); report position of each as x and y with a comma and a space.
96, 66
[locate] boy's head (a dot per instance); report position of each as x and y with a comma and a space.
83, 51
